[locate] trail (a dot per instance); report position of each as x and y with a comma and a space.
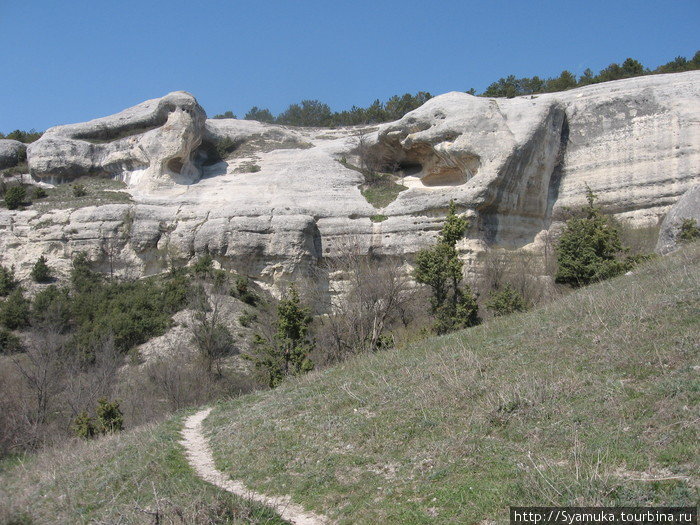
200, 456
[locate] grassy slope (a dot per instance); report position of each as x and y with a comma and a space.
591, 400
118, 479
573, 403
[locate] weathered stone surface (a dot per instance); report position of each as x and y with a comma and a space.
11, 153
280, 202
149, 145
687, 207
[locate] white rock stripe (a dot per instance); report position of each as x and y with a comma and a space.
200, 456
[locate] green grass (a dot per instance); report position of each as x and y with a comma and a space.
99, 191
592, 400
119, 479
379, 189
378, 218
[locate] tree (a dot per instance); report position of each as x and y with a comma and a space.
309, 113
589, 248
212, 338
14, 311
376, 293
287, 351
453, 305
7, 280
41, 273
225, 114
261, 115
15, 197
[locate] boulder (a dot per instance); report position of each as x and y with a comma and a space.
149, 145
12, 152
687, 207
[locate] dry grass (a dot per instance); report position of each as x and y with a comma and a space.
590, 400
135, 477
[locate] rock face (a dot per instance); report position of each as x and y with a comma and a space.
281, 202
12, 152
149, 145
687, 207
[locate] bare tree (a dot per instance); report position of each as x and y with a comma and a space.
376, 293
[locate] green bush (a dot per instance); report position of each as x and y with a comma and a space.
689, 231
589, 249
7, 281
41, 273
109, 417
39, 192
14, 311
242, 291
204, 266
51, 308
247, 318
84, 426
506, 301
129, 312
15, 197
9, 342
79, 190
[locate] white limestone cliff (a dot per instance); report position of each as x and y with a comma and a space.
281, 201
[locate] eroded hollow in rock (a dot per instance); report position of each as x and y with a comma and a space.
175, 165
445, 177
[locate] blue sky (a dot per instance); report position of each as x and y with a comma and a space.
74, 60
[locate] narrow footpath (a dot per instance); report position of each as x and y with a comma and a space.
200, 456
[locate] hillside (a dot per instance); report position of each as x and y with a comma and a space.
592, 399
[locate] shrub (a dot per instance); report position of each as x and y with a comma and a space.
39, 192
589, 248
242, 291
79, 190
51, 308
41, 273
109, 417
506, 301
247, 318
7, 280
9, 342
689, 231
204, 266
15, 197
84, 426
453, 306
14, 312
224, 147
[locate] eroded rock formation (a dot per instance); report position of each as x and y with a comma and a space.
281, 201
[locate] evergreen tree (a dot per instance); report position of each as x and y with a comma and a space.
589, 248
453, 305
109, 416
41, 273
14, 311
287, 352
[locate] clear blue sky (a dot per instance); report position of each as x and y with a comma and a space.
70, 61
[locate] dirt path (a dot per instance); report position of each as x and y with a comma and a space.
200, 457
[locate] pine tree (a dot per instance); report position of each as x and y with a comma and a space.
452, 304
287, 352
41, 273
589, 248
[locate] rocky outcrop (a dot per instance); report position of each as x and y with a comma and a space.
12, 152
149, 145
280, 201
687, 207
